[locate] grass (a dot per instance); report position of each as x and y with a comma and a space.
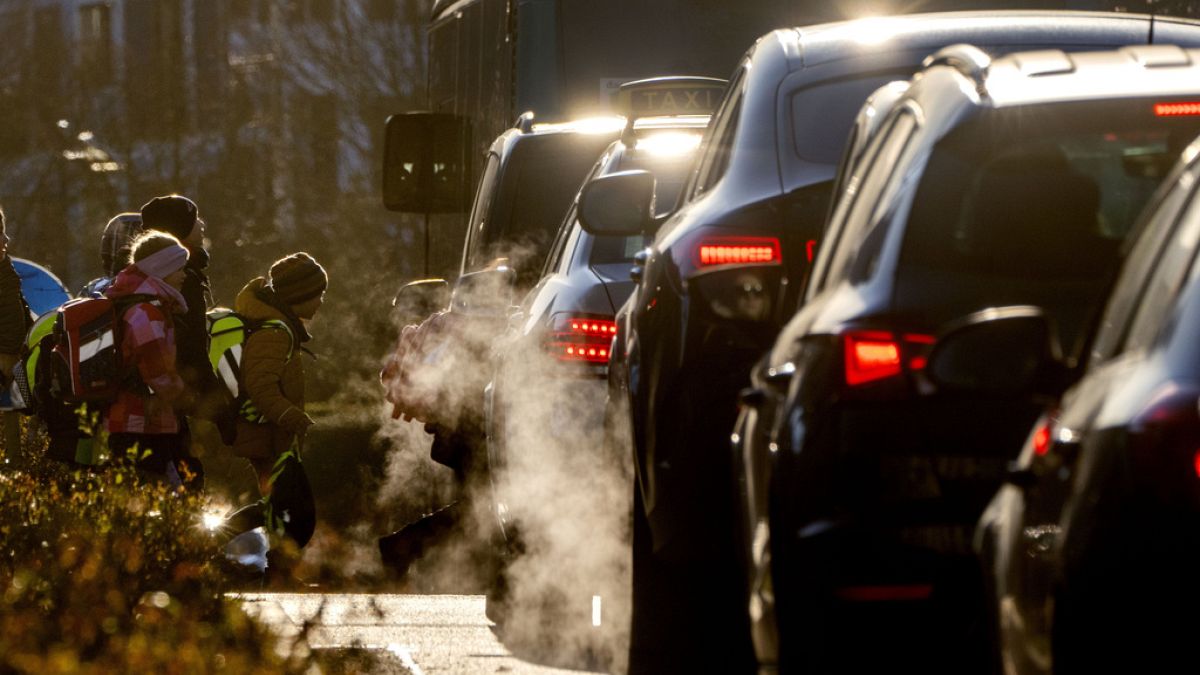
105, 572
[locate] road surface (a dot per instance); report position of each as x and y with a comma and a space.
418, 634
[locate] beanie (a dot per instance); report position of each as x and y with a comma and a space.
173, 214
116, 242
297, 278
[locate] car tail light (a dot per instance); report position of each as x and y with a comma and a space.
871, 356
1042, 436
1177, 109
582, 339
714, 251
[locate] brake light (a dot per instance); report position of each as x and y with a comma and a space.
594, 327
1041, 438
1196, 463
1180, 109
871, 356
582, 339
739, 251
877, 355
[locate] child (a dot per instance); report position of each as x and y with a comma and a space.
144, 413
274, 421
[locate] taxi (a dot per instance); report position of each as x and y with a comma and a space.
546, 401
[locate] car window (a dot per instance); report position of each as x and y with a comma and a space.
1164, 286
484, 193
717, 147
823, 114
1030, 205
1153, 233
868, 186
560, 241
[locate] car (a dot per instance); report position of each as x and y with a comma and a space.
1090, 548
545, 403
438, 370
991, 182
727, 268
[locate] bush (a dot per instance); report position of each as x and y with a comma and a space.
106, 572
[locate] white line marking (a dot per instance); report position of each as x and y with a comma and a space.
405, 655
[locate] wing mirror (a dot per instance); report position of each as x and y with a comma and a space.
619, 204
1006, 351
485, 293
418, 299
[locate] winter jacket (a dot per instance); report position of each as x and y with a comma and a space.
147, 337
14, 313
272, 374
192, 339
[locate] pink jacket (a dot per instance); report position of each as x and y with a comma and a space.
147, 345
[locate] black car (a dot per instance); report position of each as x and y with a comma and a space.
559, 498
1091, 548
991, 182
727, 268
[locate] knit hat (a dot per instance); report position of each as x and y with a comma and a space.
297, 278
173, 214
117, 241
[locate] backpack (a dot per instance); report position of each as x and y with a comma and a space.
227, 333
86, 348
72, 357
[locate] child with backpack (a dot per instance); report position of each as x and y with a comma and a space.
272, 420
144, 414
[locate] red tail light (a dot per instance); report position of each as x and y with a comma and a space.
1041, 437
582, 339
878, 355
739, 251
1180, 109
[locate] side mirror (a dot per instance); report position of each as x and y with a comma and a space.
619, 204
998, 352
485, 293
427, 163
418, 299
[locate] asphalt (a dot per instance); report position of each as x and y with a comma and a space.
415, 634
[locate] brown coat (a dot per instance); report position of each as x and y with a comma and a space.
274, 382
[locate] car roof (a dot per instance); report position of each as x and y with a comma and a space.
823, 43
1053, 75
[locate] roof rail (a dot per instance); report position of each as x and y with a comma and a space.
969, 60
524, 123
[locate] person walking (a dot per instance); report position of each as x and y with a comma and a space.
115, 244
145, 414
177, 215
15, 319
273, 422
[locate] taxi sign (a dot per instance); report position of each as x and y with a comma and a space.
670, 96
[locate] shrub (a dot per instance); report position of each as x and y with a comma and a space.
103, 571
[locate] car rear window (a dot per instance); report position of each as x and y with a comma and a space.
1031, 204
822, 114
545, 173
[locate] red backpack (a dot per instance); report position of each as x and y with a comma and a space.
87, 348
